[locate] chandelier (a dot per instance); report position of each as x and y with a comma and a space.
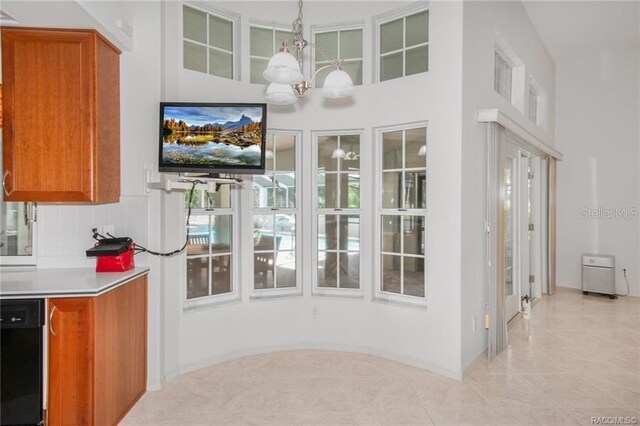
285, 72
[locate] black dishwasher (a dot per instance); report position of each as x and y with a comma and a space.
21, 325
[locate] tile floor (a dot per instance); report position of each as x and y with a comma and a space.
578, 358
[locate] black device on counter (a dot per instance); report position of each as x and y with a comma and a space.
110, 247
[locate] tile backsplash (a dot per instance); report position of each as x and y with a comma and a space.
64, 231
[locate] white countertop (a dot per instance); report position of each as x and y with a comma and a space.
63, 282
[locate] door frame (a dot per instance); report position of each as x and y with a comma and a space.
499, 127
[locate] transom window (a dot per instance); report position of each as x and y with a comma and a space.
344, 45
338, 211
404, 46
402, 211
208, 42
210, 247
265, 42
503, 76
275, 214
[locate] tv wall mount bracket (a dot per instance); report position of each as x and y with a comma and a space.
210, 183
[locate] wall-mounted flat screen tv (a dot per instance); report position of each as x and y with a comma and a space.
212, 138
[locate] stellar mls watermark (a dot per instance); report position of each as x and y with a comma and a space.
613, 420
627, 213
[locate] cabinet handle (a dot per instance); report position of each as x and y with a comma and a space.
51, 321
4, 183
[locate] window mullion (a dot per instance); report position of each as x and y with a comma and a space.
401, 254
210, 257
404, 48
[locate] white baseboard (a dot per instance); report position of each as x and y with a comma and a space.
438, 369
473, 364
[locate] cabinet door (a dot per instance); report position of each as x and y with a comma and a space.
49, 115
71, 341
120, 350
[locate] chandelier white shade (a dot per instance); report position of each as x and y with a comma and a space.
423, 150
338, 84
280, 94
283, 68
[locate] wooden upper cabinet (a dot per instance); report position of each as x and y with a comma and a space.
61, 135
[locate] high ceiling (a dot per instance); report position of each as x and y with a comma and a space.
579, 27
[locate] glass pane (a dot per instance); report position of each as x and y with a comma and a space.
326, 146
285, 231
391, 36
414, 140
197, 277
327, 269
417, 60
349, 190
392, 150
221, 233
15, 235
327, 43
413, 228
196, 198
263, 270
350, 44
417, 30
354, 69
321, 191
353, 190
263, 237
351, 146
502, 77
391, 234
262, 191
349, 270
391, 66
221, 274
220, 199
414, 276
204, 200
391, 190
220, 33
194, 57
509, 237
328, 192
285, 185
349, 232
285, 153
327, 232
257, 68
268, 155
322, 75
194, 24
281, 36
415, 190
198, 242
261, 42
220, 63
285, 269
391, 269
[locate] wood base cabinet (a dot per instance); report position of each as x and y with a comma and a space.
61, 135
97, 355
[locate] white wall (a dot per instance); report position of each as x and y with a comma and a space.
483, 22
429, 338
598, 116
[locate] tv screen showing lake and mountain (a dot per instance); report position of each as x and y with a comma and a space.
212, 138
